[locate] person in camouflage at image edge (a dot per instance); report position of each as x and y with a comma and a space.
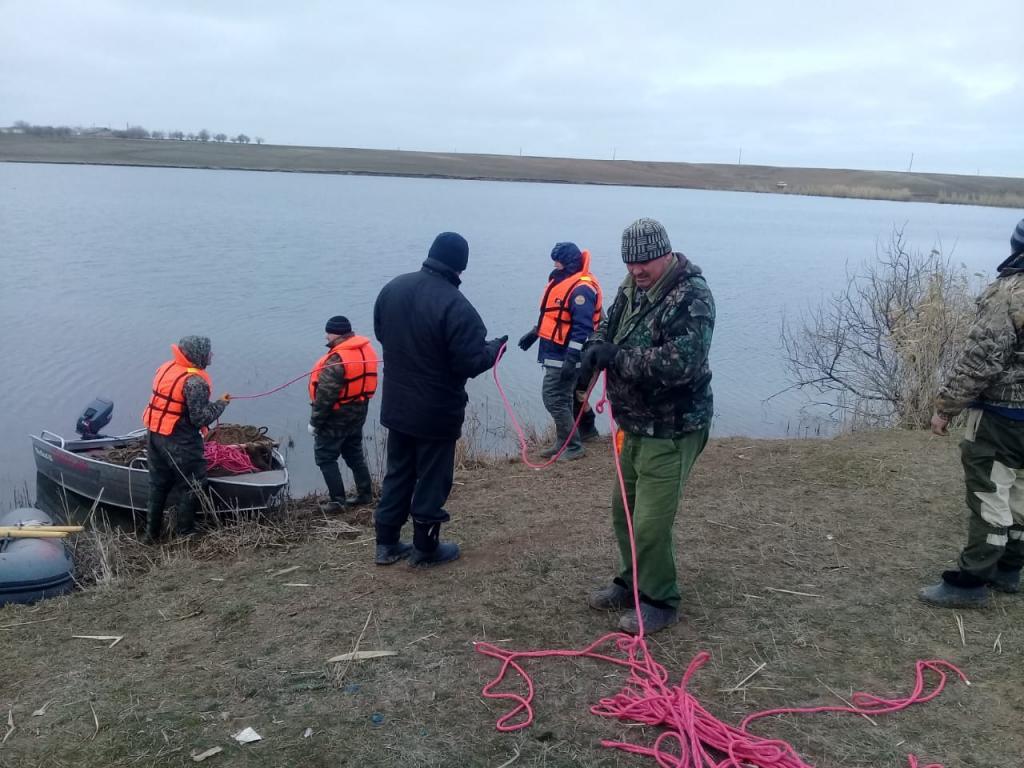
987, 383
179, 407
654, 346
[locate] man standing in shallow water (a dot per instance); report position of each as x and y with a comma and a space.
654, 346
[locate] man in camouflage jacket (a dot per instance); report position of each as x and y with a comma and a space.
179, 458
987, 383
339, 431
654, 346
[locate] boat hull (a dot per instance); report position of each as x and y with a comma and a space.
73, 466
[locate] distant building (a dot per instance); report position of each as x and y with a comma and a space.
780, 185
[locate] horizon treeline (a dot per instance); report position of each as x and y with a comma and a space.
129, 132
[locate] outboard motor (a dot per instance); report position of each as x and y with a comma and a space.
94, 418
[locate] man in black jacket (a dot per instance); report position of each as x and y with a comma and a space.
433, 340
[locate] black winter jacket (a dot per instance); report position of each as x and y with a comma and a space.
433, 340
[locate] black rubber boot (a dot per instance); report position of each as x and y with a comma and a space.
428, 550
185, 514
389, 554
588, 431
1006, 580
364, 486
332, 479
154, 517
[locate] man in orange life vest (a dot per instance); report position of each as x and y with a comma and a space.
570, 310
178, 409
340, 388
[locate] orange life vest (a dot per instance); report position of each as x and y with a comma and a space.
555, 313
360, 362
167, 403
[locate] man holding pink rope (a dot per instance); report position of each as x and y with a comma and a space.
654, 346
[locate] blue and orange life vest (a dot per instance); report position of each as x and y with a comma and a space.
555, 311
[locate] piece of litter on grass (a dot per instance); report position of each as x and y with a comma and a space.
283, 571
198, 758
42, 710
247, 736
792, 592
116, 638
214, 579
307, 733
361, 655
297, 584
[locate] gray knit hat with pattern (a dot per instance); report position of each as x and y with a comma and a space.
1017, 239
644, 240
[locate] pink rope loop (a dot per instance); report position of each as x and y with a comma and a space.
233, 458
693, 737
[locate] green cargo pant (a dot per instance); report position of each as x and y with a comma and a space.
655, 472
992, 453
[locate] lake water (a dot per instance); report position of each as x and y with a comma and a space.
101, 268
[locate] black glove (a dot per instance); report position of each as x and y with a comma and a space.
569, 369
597, 357
494, 347
528, 339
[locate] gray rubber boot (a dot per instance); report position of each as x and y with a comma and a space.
946, 595
615, 597
655, 619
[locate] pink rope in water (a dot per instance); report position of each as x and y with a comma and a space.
693, 737
232, 458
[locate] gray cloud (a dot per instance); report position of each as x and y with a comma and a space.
831, 84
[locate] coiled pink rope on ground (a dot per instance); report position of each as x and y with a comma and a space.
693, 737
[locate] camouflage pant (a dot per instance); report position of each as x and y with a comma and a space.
655, 471
175, 460
992, 453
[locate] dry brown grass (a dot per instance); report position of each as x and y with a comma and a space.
213, 645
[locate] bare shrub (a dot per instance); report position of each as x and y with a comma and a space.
879, 349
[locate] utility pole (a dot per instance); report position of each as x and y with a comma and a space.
614, 151
909, 167
739, 161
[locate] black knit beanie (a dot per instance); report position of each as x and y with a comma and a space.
338, 324
451, 249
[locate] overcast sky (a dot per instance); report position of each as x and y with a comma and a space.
837, 84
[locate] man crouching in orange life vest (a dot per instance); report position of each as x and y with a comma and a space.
340, 388
178, 408
570, 310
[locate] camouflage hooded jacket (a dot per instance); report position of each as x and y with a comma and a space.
659, 383
990, 368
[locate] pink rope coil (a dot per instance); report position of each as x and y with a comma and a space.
231, 458
692, 736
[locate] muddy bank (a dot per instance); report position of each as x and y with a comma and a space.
881, 185
214, 642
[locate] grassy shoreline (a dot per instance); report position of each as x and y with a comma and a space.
218, 638
827, 182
